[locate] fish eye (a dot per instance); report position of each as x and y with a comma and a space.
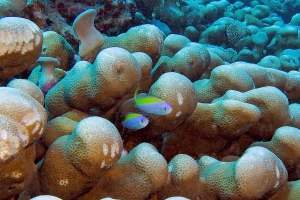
165, 108
142, 120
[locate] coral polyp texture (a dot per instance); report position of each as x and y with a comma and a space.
284, 144
257, 172
21, 45
191, 61
73, 72
114, 75
136, 175
84, 156
146, 38
23, 121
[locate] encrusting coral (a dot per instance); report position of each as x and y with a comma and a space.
210, 128
285, 143
145, 63
113, 77
191, 33
257, 172
23, 120
286, 82
145, 38
54, 45
173, 88
21, 45
57, 127
295, 110
270, 62
17, 175
240, 119
183, 178
273, 105
136, 175
173, 43
62, 125
75, 162
191, 61
222, 79
28, 87
288, 191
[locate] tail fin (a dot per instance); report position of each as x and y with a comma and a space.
136, 93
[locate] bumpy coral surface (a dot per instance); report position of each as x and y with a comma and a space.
223, 78
183, 178
287, 82
17, 175
133, 177
21, 45
28, 87
210, 126
273, 105
257, 172
115, 73
75, 162
173, 43
54, 45
145, 63
23, 121
285, 144
190, 61
181, 97
233, 132
145, 38
288, 191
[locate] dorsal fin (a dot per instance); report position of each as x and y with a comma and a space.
142, 95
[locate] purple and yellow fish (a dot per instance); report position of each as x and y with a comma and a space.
135, 121
151, 104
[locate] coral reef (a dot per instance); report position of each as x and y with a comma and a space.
21, 45
28, 87
145, 38
143, 171
257, 172
191, 61
54, 45
183, 178
23, 121
284, 144
228, 70
78, 86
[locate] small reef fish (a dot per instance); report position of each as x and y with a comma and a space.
151, 104
135, 121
